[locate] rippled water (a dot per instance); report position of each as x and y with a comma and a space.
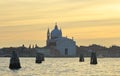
62, 67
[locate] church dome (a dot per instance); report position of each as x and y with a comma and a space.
56, 33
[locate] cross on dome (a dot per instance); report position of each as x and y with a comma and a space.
56, 27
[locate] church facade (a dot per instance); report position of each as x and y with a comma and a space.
62, 45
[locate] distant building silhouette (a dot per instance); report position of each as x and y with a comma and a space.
55, 40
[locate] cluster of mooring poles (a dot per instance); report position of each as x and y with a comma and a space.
39, 58
81, 59
93, 59
15, 62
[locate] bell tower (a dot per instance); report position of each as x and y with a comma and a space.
48, 34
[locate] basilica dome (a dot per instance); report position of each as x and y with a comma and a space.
56, 33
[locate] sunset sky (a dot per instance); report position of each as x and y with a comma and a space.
88, 21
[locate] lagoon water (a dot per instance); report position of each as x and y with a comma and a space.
62, 67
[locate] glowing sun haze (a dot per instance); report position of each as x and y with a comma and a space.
88, 21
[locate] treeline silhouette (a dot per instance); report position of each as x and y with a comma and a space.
101, 51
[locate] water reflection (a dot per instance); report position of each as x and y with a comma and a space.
62, 67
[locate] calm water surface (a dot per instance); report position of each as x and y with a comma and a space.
62, 67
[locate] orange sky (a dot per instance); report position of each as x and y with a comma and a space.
88, 21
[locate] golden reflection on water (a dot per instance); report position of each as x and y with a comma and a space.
62, 67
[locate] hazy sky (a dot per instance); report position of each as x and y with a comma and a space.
88, 21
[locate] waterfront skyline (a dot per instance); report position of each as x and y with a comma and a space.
89, 22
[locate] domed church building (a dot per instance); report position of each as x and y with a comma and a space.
57, 43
